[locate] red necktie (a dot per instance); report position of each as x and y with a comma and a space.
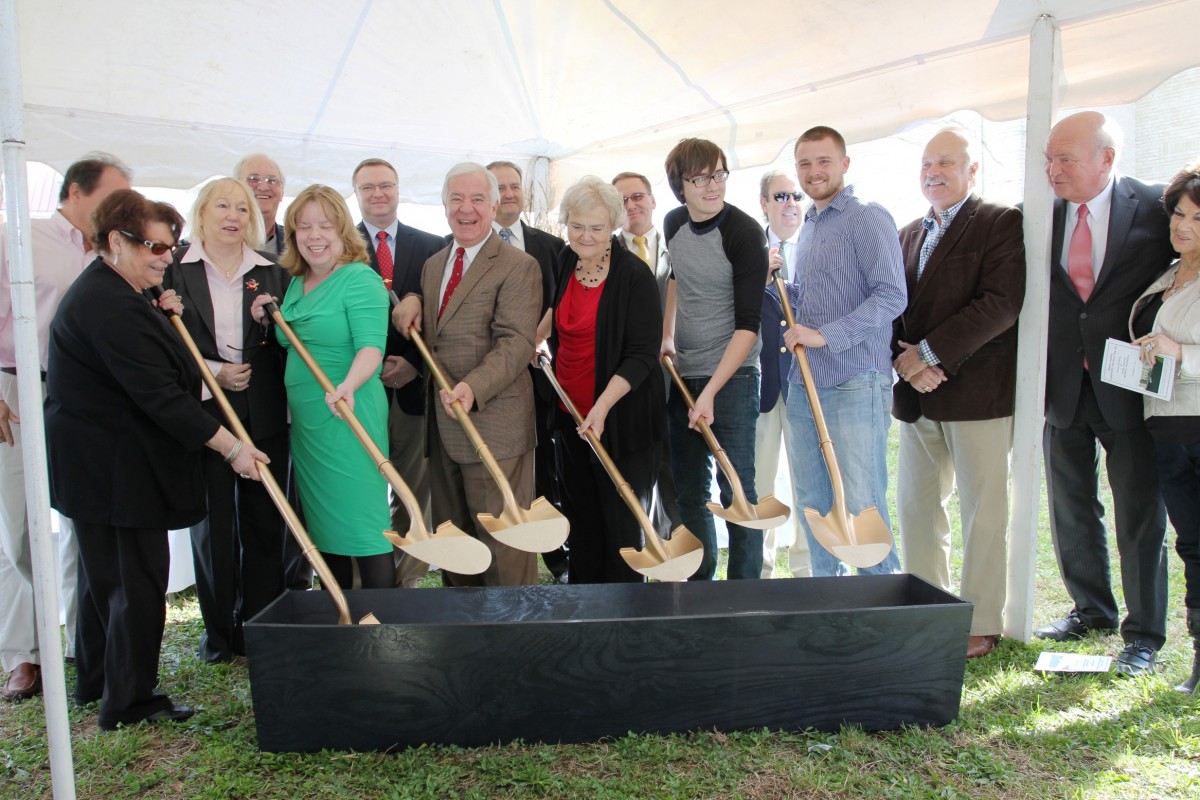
455, 279
383, 254
1079, 257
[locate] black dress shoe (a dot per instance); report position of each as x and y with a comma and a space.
172, 714
1069, 627
1136, 659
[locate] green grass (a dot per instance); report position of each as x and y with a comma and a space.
1019, 735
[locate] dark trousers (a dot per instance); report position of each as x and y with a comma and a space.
237, 551
545, 467
1077, 528
122, 612
297, 572
601, 523
1179, 478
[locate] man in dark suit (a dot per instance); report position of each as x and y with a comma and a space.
478, 310
955, 349
397, 253
268, 182
546, 249
1110, 240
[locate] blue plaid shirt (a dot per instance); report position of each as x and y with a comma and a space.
850, 272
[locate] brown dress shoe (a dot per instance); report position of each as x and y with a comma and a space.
24, 681
978, 646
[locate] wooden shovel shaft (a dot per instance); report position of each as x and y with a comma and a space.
464, 419
623, 487
277, 495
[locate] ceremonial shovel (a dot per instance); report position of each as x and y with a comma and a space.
769, 513
277, 496
539, 529
674, 559
861, 540
448, 547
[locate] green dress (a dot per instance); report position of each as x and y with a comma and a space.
343, 496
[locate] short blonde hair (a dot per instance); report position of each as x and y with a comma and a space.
336, 210
255, 235
591, 192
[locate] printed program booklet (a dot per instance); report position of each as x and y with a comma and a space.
1123, 366
1071, 663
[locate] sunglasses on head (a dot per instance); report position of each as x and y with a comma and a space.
158, 248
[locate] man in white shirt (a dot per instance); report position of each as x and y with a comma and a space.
61, 249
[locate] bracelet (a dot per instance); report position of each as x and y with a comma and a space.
233, 452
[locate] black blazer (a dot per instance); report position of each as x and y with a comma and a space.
628, 337
546, 249
413, 249
124, 426
1138, 250
264, 403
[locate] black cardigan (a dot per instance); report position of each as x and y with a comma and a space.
628, 338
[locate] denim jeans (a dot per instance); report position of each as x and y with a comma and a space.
857, 413
735, 414
1179, 480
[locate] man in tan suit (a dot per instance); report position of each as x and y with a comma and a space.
478, 312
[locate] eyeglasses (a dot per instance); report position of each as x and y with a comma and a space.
636, 197
783, 197
368, 188
269, 180
700, 181
158, 248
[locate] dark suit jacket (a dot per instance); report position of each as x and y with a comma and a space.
485, 337
546, 249
966, 304
264, 403
775, 359
413, 249
1138, 250
278, 242
124, 426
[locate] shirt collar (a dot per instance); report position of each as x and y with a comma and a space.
839, 202
196, 252
390, 229
944, 217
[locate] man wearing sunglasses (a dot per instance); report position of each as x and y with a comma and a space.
61, 249
267, 182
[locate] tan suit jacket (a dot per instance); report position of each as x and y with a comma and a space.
485, 338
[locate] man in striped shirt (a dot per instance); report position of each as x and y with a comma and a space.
850, 273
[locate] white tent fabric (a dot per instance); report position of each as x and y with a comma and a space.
181, 90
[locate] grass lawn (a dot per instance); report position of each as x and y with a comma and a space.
1019, 735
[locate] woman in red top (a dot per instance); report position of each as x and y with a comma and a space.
606, 336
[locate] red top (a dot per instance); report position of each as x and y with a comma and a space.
575, 361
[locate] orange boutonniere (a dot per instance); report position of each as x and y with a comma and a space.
252, 285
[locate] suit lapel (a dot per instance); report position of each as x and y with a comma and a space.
1120, 219
402, 258
1058, 270
196, 280
479, 267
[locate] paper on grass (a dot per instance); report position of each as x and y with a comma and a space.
1071, 662
1123, 366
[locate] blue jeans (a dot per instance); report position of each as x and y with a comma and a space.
857, 413
735, 414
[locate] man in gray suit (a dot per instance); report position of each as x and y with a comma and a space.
1110, 240
478, 311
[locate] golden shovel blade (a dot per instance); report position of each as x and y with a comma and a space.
683, 554
448, 548
539, 530
861, 540
369, 619
769, 513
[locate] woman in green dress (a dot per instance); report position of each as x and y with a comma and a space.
338, 307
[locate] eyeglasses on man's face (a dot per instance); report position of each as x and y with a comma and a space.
783, 197
700, 181
269, 180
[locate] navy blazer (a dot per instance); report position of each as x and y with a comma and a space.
775, 359
413, 249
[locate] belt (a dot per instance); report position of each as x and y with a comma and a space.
13, 371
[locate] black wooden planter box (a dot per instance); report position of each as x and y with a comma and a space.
578, 663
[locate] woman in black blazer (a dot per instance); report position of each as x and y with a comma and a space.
124, 432
605, 339
238, 548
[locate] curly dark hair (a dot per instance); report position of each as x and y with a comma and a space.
127, 210
1186, 181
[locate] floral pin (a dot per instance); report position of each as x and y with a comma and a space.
252, 285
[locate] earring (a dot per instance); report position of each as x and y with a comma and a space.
116, 259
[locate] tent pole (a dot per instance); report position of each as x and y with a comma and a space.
33, 443
1045, 65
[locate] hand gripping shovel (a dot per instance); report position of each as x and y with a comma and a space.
277, 495
539, 529
769, 513
448, 547
861, 540
674, 559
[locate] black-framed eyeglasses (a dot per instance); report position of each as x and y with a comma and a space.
700, 181
269, 180
158, 248
636, 197
783, 197
369, 188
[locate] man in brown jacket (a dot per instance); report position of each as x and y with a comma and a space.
955, 349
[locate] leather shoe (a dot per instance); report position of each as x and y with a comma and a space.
979, 646
171, 714
1069, 627
1136, 659
24, 681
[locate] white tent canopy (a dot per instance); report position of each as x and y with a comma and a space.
181, 90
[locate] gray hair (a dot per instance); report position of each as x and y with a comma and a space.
471, 168
240, 165
591, 192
